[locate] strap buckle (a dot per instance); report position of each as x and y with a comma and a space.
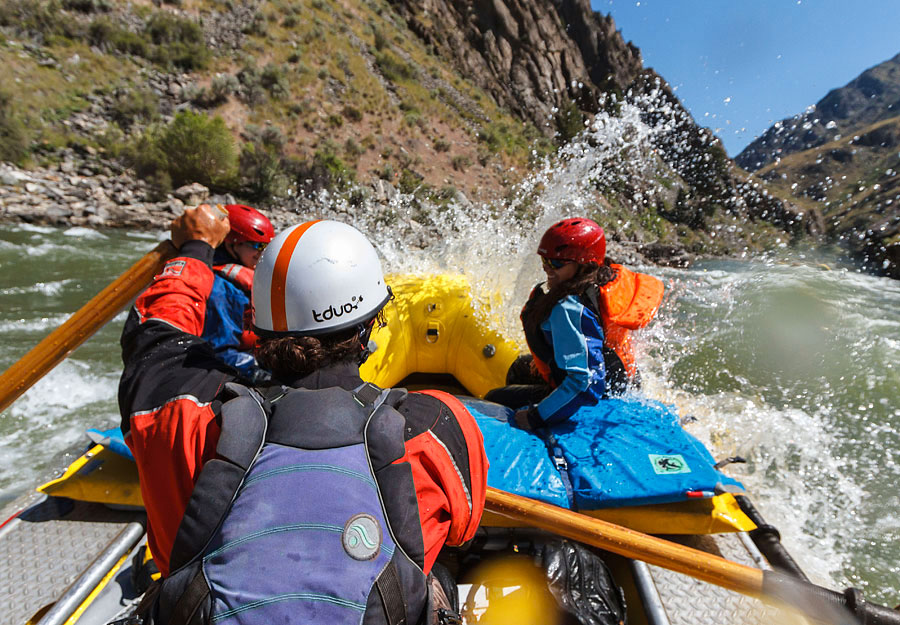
448, 617
560, 463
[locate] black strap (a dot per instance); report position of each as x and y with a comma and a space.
592, 299
388, 584
190, 601
367, 394
559, 460
243, 432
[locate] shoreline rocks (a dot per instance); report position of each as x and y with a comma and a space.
89, 192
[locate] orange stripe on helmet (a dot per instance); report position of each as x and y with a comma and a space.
279, 275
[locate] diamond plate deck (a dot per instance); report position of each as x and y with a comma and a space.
688, 601
47, 547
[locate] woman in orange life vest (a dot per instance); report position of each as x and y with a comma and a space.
579, 330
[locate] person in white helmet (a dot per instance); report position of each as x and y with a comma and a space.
319, 499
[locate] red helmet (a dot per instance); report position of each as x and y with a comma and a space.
248, 224
578, 239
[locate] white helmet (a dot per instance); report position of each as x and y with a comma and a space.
317, 278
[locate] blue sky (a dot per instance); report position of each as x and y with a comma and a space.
740, 65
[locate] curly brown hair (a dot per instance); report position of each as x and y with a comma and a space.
292, 357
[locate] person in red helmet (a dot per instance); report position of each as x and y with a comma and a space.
578, 331
228, 306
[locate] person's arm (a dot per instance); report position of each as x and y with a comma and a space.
445, 453
571, 354
163, 354
170, 380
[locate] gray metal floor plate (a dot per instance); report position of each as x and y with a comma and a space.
689, 601
45, 550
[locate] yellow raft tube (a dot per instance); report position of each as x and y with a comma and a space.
432, 332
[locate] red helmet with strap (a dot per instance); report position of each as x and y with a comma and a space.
578, 239
248, 224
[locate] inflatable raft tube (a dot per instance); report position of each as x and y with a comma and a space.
434, 332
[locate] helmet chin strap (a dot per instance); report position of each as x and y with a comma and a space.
365, 331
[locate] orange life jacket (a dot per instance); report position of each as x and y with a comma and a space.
627, 303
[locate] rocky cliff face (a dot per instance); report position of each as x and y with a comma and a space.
541, 59
535, 58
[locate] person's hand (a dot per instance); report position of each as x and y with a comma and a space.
203, 223
521, 419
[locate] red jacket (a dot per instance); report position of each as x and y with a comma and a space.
169, 398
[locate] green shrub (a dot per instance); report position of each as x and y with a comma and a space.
352, 113
409, 181
444, 195
386, 172
167, 40
141, 105
256, 26
393, 68
569, 122
257, 85
251, 92
460, 162
39, 18
262, 164
88, 6
191, 148
380, 40
177, 42
107, 35
412, 118
441, 145
273, 79
352, 149
220, 88
14, 139
159, 185
111, 140
325, 170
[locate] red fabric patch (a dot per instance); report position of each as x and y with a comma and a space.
173, 268
170, 446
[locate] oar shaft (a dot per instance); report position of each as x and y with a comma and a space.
81, 325
631, 544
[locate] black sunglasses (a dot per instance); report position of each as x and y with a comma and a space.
554, 263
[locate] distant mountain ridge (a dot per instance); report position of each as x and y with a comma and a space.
872, 96
842, 158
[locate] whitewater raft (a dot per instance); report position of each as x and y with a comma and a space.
69, 554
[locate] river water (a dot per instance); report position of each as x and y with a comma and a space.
791, 365
786, 360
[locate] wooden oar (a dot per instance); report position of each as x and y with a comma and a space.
815, 601
81, 325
